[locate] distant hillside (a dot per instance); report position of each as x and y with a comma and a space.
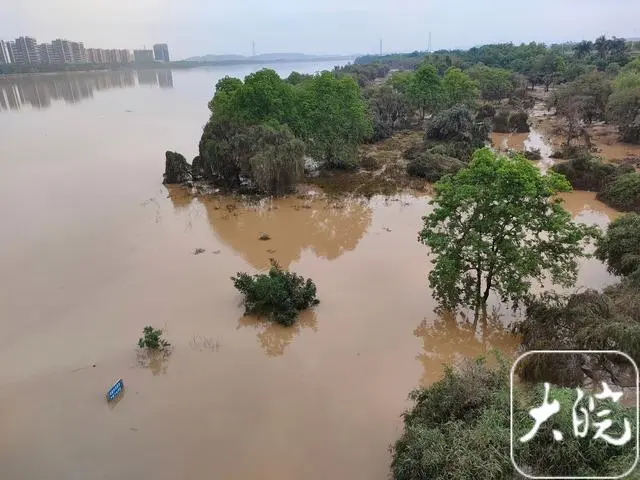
215, 58
265, 57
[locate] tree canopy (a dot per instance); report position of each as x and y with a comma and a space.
494, 83
459, 88
261, 128
620, 247
425, 89
496, 226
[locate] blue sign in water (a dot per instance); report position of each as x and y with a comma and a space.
115, 390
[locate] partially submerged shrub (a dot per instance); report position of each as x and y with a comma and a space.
152, 339
508, 121
459, 428
623, 193
620, 247
433, 166
586, 172
279, 294
590, 320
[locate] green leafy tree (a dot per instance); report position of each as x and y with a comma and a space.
455, 132
494, 83
497, 226
590, 90
400, 81
390, 111
583, 48
221, 104
334, 119
623, 107
265, 98
425, 89
459, 88
620, 247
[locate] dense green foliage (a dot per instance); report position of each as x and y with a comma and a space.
152, 339
586, 172
494, 83
459, 428
459, 89
456, 132
586, 97
390, 111
623, 193
589, 320
507, 120
623, 107
270, 157
363, 74
620, 247
496, 226
424, 89
433, 166
261, 128
279, 295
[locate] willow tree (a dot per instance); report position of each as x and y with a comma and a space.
498, 226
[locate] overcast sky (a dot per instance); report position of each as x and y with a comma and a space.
197, 27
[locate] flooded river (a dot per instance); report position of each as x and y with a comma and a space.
93, 248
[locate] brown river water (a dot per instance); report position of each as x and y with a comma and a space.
93, 248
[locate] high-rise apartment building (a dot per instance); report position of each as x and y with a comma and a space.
5, 54
45, 50
78, 52
143, 56
126, 56
26, 51
161, 52
62, 51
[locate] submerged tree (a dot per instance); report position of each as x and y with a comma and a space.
497, 227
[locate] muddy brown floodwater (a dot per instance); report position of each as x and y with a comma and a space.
93, 248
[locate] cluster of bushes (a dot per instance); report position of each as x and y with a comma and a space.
279, 295
364, 74
586, 172
617, 185
589, 320
508, 121
432, 166
459, 428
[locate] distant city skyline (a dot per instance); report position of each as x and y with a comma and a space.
26, 50
315, 27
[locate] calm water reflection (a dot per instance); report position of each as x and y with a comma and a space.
39, 91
